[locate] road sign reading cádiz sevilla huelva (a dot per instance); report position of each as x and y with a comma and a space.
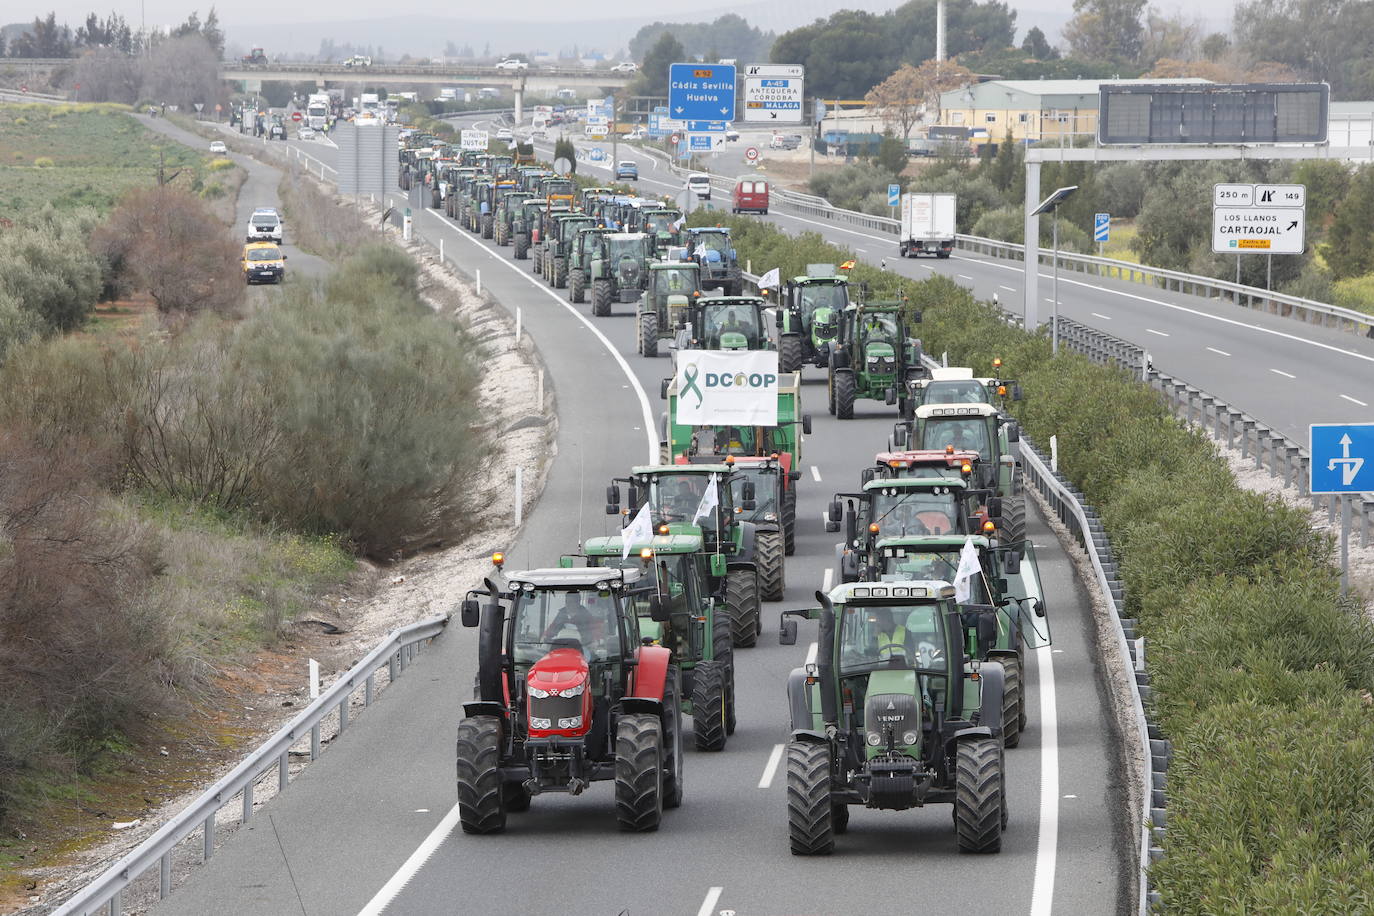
701, 92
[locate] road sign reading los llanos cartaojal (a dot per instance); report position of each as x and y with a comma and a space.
1258, 218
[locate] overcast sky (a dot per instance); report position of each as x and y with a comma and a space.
251, 21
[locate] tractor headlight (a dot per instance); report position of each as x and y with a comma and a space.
574, 691
770, 517
909, 738
570, 722
541, 694
536, 722
874, 739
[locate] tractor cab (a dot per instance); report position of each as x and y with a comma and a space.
714, 250
663, 225
808, 317
620, 269
873, 358
958, 385
568, 694
672, 285
559, 192
725, 323
893, 715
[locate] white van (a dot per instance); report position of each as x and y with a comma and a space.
700, 185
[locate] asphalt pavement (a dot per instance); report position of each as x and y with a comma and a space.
370, 826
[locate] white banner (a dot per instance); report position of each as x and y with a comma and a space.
727, 387
473, 139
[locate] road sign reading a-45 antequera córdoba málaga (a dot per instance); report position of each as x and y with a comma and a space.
773, 93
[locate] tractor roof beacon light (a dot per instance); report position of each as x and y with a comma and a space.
1051, 205
498, 560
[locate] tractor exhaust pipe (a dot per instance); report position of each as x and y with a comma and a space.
825, 666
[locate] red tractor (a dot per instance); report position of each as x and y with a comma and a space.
567, 694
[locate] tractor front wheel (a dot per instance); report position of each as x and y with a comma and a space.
560, 273
522, 246
648, 333
742, 603
639, 772
769, 552
979, 808
844, 395
537, 262
576, 286
601, 298
708, 706
480, 808
810, 814
789, 353
672, 739
1012, 526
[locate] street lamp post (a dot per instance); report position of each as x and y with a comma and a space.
1051, 205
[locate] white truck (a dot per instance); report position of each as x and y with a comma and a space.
369, 103
317, 111
927, 224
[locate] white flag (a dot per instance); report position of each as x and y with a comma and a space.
770, 280
968, 569
678, 225
708, 501
639, 531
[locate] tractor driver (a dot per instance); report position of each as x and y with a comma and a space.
732, 325
680, 497
588, 623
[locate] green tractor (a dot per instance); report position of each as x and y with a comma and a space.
582, 253
1006, 590
457, 180
506, 212
873, 358
487, 199
672, 285
524, 226
713, 249
561, 229
808, 317
698, 499
724, 323
696, 628
664, 225
619, 272
893, 715
567, 695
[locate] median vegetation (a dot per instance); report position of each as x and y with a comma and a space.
1262, 674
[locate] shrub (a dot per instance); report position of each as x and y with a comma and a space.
46, 268
1354, 293
219, 165
43, 162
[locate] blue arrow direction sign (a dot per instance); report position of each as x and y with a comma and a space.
894, 195
598, 154
700, 143
1342, 457
1102, 227
706, 127
701, 92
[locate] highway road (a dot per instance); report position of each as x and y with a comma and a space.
371, 826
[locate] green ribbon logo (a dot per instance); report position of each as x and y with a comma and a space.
689, 379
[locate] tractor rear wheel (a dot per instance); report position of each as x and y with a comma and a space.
486, 225
537, 261
723, 654
742, 602
522, 246
560, 273
768, 549
672, 739
479, 775
708, 706
830, 391
844, 395
639, 772
979, 807
648, 333
789, 519
576, 286
1013, 523
734, 283
1011, 700
601, 298
789, 353
810, 814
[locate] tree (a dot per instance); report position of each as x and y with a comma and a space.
1168, 69
45, 38
181, 72
936, 77
653, 73
1215, 45
212, 33
891, 154
1349, 250
1169, 36
728, 36
108, 75
1037, 46
1106, 29
899, 99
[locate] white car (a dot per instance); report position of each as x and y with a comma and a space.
512, 63
625, 66
265, 225
307, 133
217, 146
731, 135
700, 185
506, 134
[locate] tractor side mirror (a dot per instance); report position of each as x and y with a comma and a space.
1016, 392
806, 423
899, 436
787, 635
658, 609
891, 396
1039, 608
866, 475
1002, 586
1014, 433
470, 612
777, 320
835, 512
613, 500
1011, 562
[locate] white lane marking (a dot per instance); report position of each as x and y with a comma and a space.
1282, 373
708, 905
1102, 316
811, 653
827, 579
860, 251
1153, 331
1010, 289
610, 347
960, 276
1042, 890
1354, 400
771, 767
1219, 352
1070, 796
815, 473
408, 869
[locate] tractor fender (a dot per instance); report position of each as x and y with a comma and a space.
747, 541
641, 704
484, 708
811, 735
977, 731
799, 700
651, 673
993, 679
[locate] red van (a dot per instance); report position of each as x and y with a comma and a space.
751, 194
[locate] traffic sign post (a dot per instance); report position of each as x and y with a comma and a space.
751, 154
1102, 230
773, 93
1342, 463
701, 92
295, 115
1264, 219
894, 198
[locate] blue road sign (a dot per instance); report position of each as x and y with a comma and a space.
1342, 457
597, 154
701, 92
894, 195
1102, 227
700, 143
705, 127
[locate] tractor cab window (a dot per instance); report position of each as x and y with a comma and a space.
619, 249
964, 433
908, 565
660, 222
677, 498
731, 319
765, 491
590, 242
915, 512
961, 392
877, 327
582, 619
711, 246
675, 282
878, 637
828, 295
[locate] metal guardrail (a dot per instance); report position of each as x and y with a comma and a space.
396, 652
